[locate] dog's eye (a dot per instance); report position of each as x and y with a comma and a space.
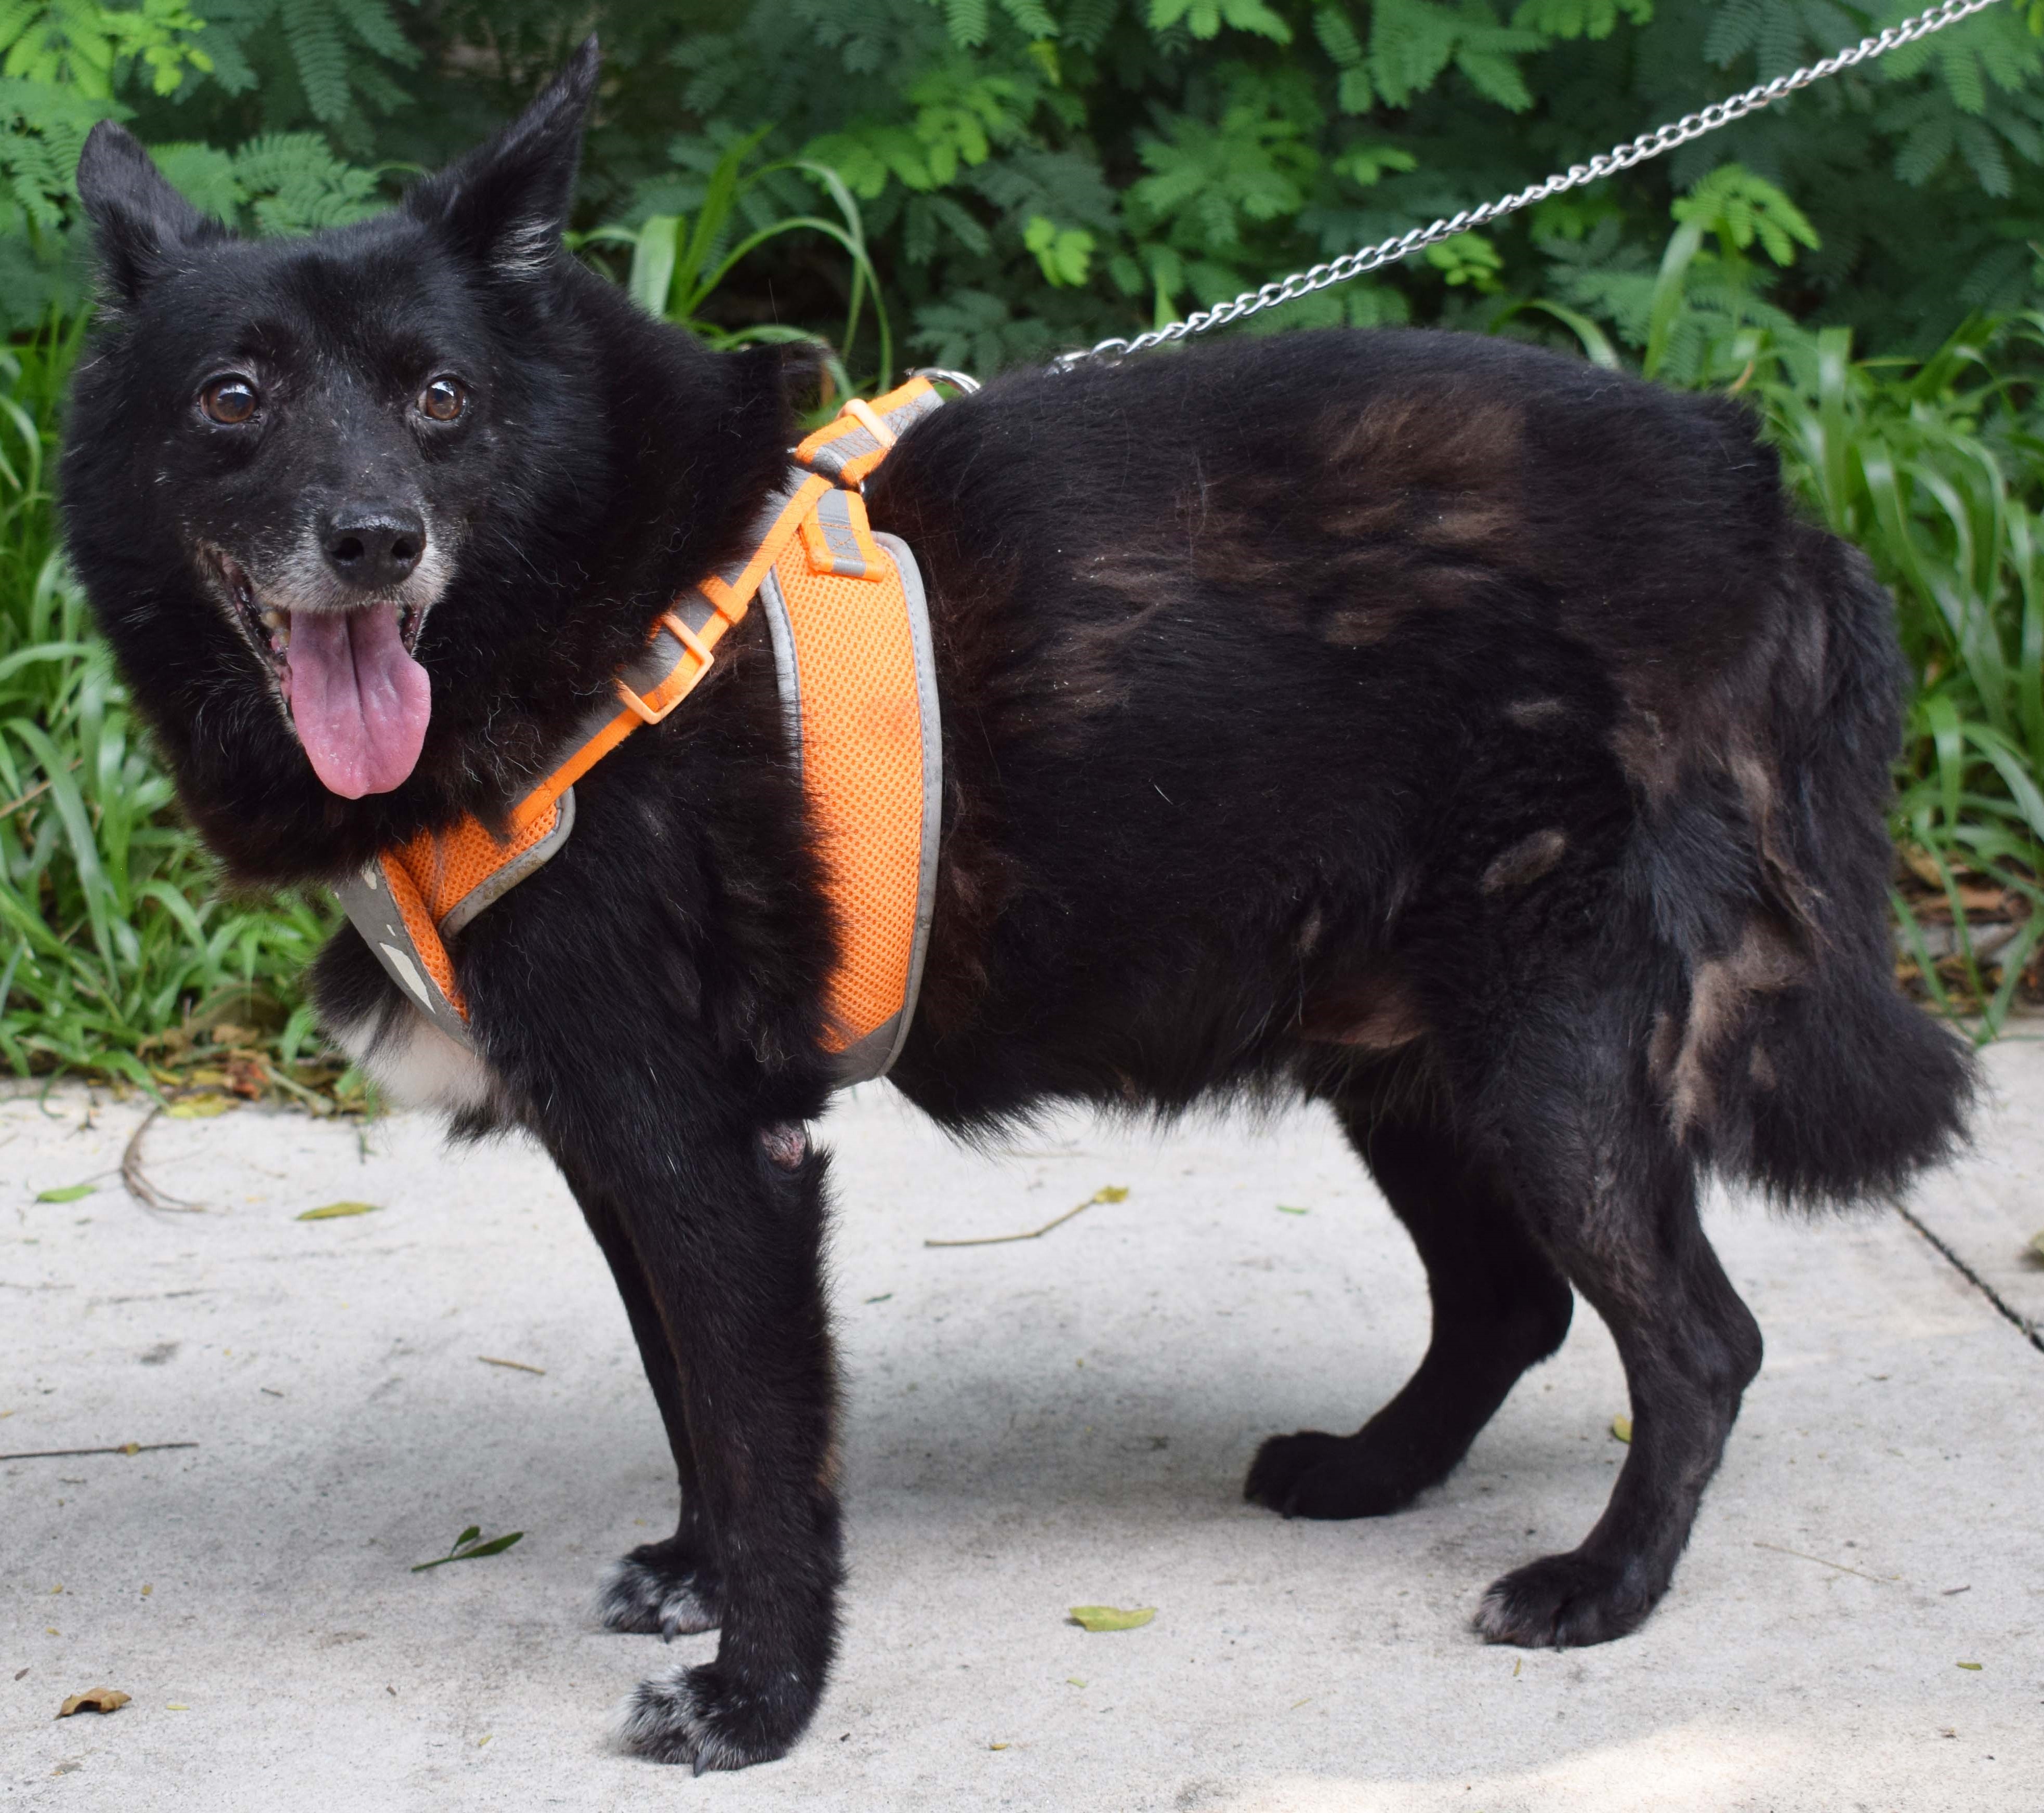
442, 400
230, 400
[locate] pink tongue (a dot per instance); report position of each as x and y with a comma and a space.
360, 702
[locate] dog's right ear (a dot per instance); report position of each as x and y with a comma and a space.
142, 221
505, 204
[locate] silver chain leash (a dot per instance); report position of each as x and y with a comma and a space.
1608, 163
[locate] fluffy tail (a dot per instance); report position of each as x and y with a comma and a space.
1838, 1087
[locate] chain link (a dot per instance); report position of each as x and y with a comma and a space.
1647, 145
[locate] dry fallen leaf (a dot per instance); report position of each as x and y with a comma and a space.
1111, 1617
1621, 1427
334, 1211
201, 1107
1971, 1667
93, 1700
2037, 1243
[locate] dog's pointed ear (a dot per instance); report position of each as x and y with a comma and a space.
505, 205
141, 221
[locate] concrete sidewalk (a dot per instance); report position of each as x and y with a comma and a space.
1028, 1426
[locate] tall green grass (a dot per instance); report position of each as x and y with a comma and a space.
1936, 467
116, 947
119, 955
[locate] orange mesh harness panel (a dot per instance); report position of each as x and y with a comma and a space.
851, 636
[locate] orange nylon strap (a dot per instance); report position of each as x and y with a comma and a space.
848, 449
682, 653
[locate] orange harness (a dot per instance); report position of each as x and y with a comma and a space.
851, 637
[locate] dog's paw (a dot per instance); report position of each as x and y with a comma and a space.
650, 1592
695, 1715
1312, 1475
1564, 1602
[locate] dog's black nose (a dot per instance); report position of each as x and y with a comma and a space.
372, 545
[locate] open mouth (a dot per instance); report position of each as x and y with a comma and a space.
345, 677
268, 627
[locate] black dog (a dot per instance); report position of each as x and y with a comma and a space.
1448, 730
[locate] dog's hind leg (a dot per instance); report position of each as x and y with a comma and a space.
1500, 1306
1605, 1189
672, 1588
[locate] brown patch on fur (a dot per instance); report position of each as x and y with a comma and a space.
1764, 961
1456, 441
1526, 862
1361, 628
1477, 522
1371, 1012
1663, 1047
1530, 714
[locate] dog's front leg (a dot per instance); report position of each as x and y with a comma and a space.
727, 1232
669, 1588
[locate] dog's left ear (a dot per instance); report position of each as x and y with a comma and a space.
141, 222
505, 203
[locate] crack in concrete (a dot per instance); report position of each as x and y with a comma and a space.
2029, 1331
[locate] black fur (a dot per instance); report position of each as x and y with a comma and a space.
1452, 731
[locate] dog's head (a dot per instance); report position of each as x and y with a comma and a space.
404, 485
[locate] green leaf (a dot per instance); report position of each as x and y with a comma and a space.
1364, 165
1288, 1208
496, 1546
1111, 1618
1468, 258
1032, 16
966, 21
68, 1192
1621, 1428
1064, 255
1580, 18
653, 255
467, 1548
336, 1211
1739, 207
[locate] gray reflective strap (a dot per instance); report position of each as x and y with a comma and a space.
787, 670
494, 887
370, 909
865, 1060
903, 414
833, 517
834, 456
831, 459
